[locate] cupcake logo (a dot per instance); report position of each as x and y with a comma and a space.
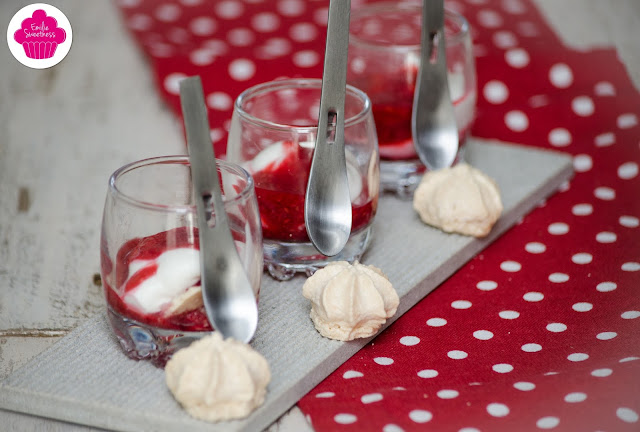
39, 36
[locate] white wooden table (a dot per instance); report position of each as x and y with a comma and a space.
64, 130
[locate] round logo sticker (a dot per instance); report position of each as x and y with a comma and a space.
39, 36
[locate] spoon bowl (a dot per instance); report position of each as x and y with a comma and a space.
433, 122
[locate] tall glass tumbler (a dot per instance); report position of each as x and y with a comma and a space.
273, 134
384, 57
150, 256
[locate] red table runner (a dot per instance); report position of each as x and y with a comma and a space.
541, 330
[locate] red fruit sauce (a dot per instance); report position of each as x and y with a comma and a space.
392, 106
280, 190
149, 248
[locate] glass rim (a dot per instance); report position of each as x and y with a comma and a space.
173, 160
375, 8
303, 83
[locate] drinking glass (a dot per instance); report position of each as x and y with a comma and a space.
384, 57
150, 259
273, 133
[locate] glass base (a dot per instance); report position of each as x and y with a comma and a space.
402, 177
144, 342
283, 260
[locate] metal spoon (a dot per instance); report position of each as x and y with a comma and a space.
433, 123
227, 293
327, 208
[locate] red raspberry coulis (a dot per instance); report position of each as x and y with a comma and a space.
150, 248
280, 189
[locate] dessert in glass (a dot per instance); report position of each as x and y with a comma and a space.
273, 133
150, 258
384, 57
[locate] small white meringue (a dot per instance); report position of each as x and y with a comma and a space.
350, 301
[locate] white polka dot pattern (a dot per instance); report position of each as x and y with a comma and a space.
509, 314
558, 228
533, 296
461, 304
448, 394
486, 285
561, 75
510, 266
548, 422
582, 163
242, 69
531, 347
558, 277
627, 121
482, 334
344, 418
560, 137
517, 58
556, 327
496, 92
420, 416
497, 409
428, 373
409, 340
457, 354
172, 82
371, 398
575, 397
577, 357
436, 322
517, 121
601, 373
627, 415
524, 386
502, 368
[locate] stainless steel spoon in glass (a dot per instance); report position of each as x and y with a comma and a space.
433, 123
226, 290
327, 208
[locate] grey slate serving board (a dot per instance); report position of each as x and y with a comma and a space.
86, 379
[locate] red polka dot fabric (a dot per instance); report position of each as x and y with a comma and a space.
541, 331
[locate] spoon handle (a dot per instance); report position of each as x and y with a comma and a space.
202, 157
226, 289
327, 209
433, 122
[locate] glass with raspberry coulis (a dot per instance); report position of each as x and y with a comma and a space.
273, 133
384, 57
150, 258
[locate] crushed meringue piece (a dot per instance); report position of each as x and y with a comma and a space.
350, 301
189, 300
460, 199
216, 380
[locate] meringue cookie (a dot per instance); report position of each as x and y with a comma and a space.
216, 379
350, 301
461, 199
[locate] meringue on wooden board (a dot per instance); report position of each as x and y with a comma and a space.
460, 199
350, 301
215, 379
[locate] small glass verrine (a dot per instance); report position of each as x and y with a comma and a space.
149, 252
273, 133
384, 57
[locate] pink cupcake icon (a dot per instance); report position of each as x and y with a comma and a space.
40, 35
